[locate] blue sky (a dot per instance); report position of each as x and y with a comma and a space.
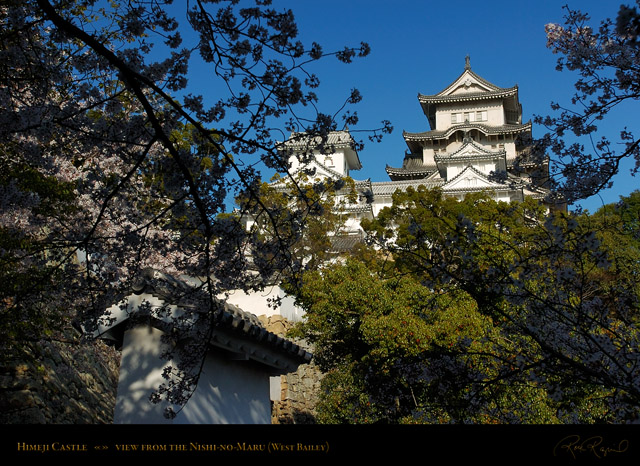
420, 47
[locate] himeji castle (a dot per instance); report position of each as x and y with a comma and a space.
476, 131
477, 141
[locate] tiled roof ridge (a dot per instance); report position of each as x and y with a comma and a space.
228, 316
468, 71
487, 129
484, 151
410, 170
389, 187
498, 93
497, 184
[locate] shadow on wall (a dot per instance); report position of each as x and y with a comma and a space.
229, 392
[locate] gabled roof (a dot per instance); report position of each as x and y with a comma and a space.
483, 183
313, 168
471, 150
469, 83
467, 87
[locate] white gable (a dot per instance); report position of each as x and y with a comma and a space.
471, 179
473, 149
468, 83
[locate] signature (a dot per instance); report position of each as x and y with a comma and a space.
575, 445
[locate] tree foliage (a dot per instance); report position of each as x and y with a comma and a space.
111, 163
303, 212
605, 58
495, 312
481, 312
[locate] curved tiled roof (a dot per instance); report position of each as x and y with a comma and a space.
227, 317
389, 187
412, 166
468, 97
486, 129
493, 90
345, 243
495, 186
357, 208
334, 138
481, 153
413, 172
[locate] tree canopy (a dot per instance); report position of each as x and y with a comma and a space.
472, 311
112, 163
479, 311
492, 312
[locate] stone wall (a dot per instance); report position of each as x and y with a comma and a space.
299, 390
60, 382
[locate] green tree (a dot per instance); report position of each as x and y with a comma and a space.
477, 311
300, 214
618, 227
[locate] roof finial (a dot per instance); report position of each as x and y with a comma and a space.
467, 63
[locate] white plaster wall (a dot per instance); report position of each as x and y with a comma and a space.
428, 156
495, 113
335, 161
258, 303
380, 202
443, 116
140, 374
510, 148
454, 170
229, 392
454, 146
352, 225
294, 163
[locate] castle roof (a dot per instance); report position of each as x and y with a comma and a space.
177, 302
468, 87
414, 170
471, 151
327, 143
468, 97
488, 130
458, 185
386, 188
